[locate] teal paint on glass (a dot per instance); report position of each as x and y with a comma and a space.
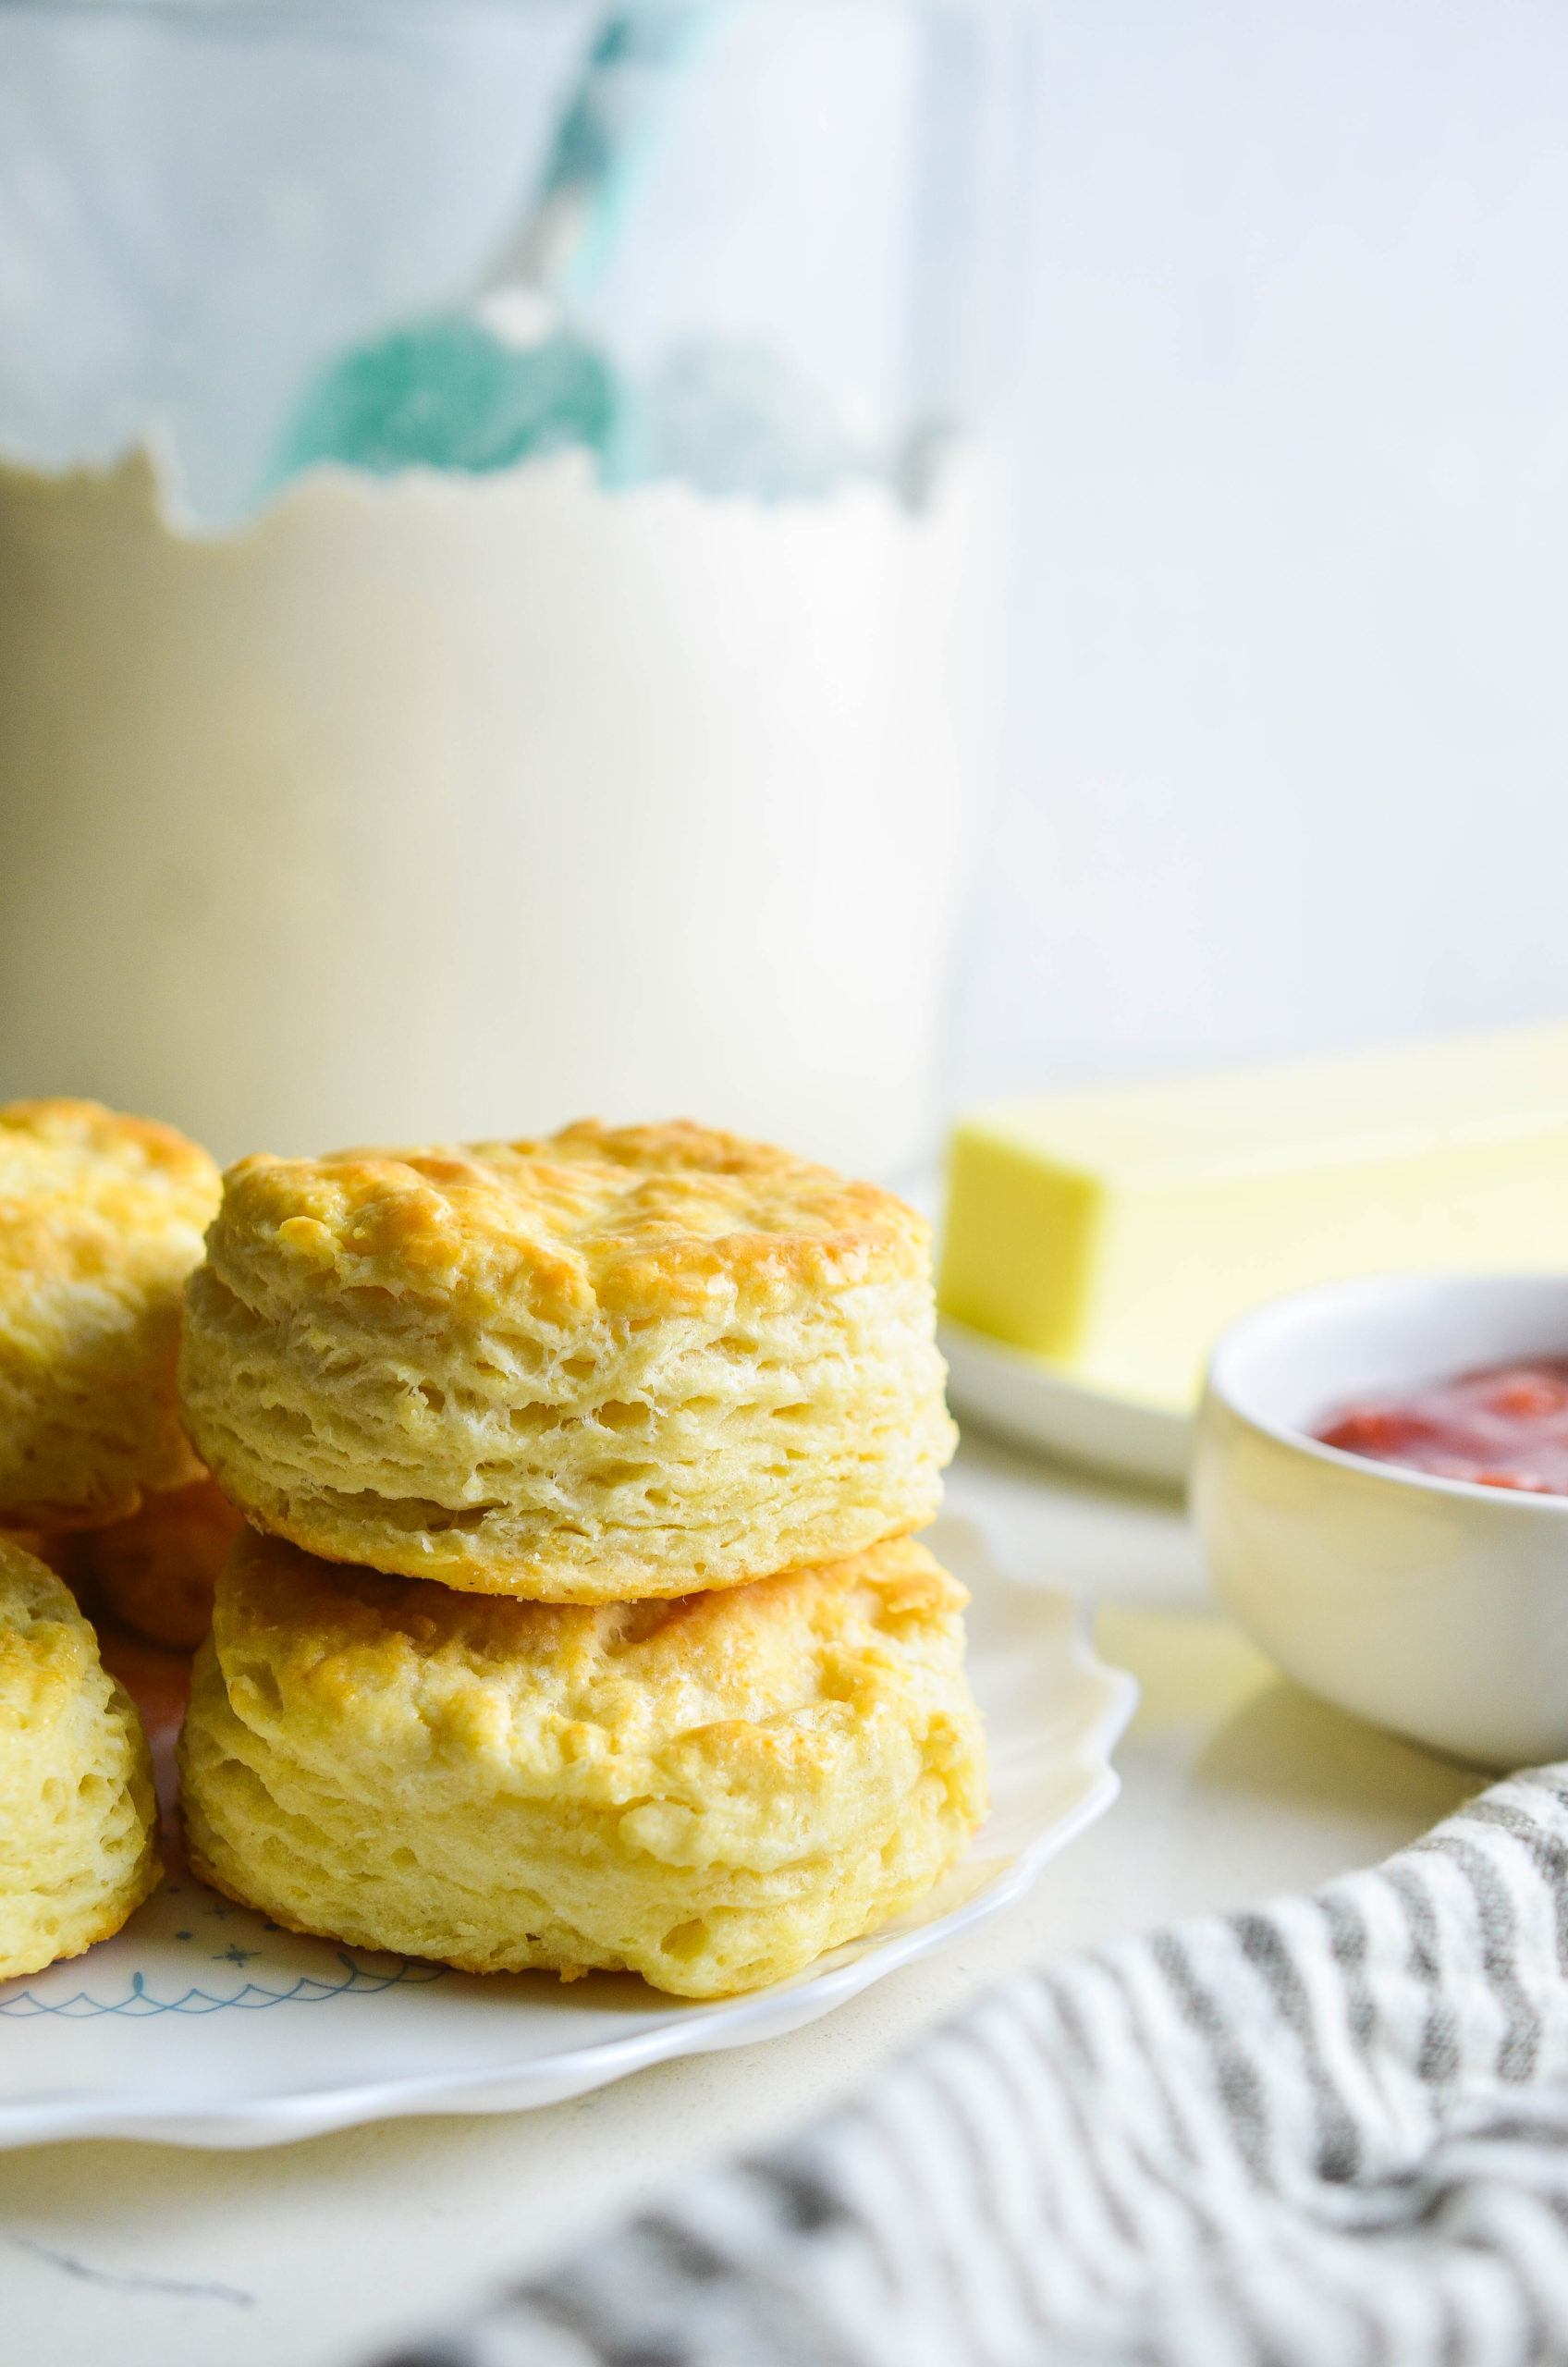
448, 394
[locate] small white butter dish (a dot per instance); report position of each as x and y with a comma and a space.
1436, 1607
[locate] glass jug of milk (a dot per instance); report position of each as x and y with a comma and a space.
498, 564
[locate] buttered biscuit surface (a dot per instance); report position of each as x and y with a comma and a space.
100, 1221
604, 1365
708, 1792
78, 1821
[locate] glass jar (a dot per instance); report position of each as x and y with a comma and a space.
499, 560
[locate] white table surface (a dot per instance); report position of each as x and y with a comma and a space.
1236, 1787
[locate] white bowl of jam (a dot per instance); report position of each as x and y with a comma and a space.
1381, 1481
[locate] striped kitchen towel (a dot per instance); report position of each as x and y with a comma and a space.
1330, 2133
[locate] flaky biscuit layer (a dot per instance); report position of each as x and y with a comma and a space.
100, 1221
709, 1792
78, 1819
600, 1365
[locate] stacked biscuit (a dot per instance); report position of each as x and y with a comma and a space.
100, 1221
582, 1626
577, 1624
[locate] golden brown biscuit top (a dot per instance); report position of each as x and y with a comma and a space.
87, 1196
46, 1647
743, 1680
635, 1221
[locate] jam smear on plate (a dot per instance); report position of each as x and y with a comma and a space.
1504, 1426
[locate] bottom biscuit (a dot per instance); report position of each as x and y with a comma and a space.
77, 1818
708, 1791
154, 1572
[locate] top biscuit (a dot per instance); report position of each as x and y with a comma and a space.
605, 1364
101, 1220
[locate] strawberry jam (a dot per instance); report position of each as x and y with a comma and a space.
1504, 1426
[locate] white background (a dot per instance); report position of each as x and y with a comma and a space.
1289, 761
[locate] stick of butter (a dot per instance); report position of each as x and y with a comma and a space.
1116, 1231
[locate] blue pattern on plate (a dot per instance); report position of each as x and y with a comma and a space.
306, 1991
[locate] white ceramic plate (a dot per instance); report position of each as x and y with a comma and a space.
203, 2024
1021, 1395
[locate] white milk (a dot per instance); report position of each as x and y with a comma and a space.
436, 806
